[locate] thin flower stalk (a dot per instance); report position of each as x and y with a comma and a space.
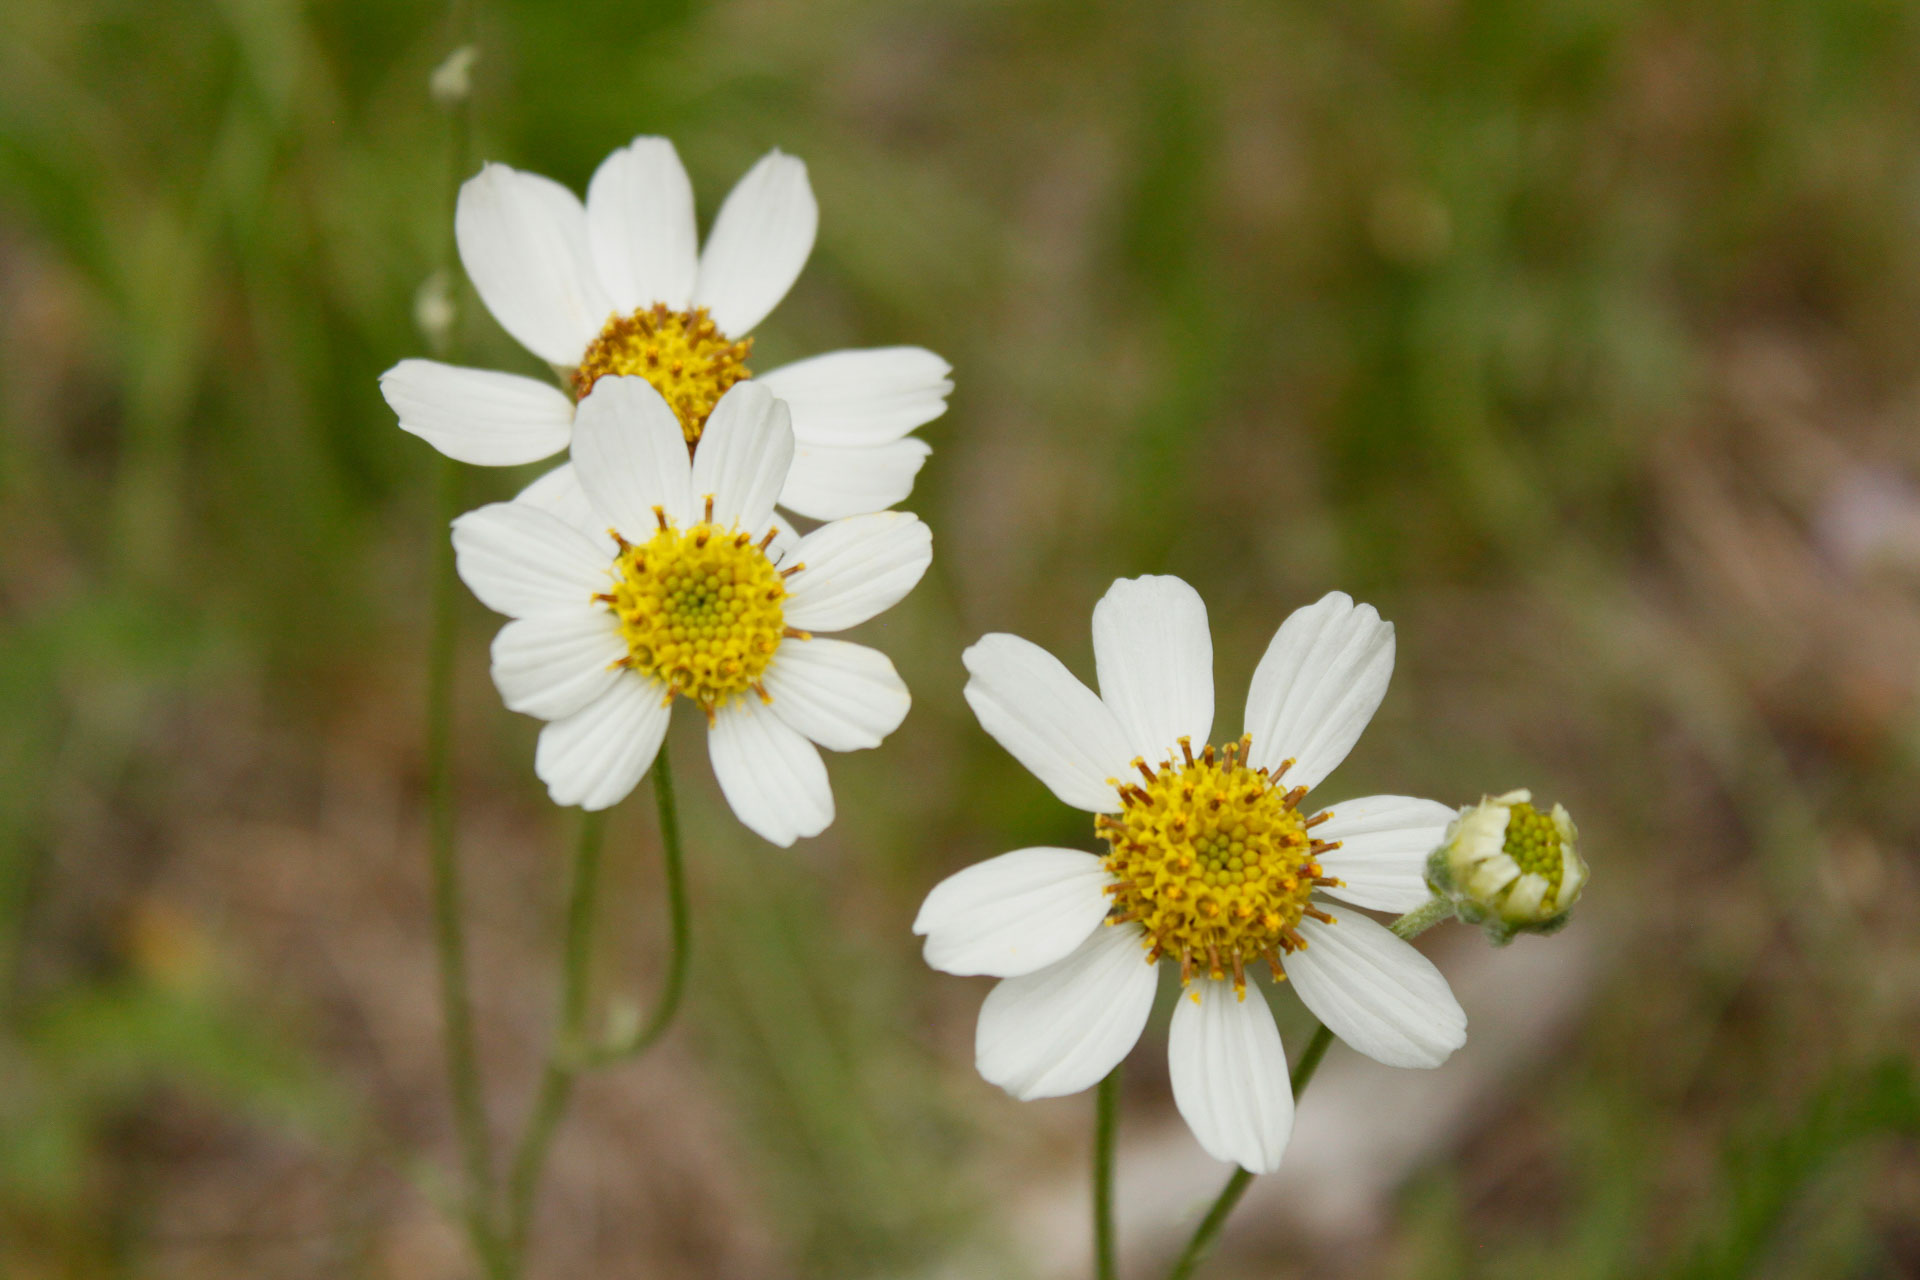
1106, 1131
557, 1078
464, 1080
1207, 1234
449, 930
566, 1059
679, 926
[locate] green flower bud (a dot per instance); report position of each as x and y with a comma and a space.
1507, 865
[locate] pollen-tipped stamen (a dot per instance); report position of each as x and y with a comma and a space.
700, 611
686, 357
1209, 858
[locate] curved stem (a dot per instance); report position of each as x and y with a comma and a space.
556, 1081
1410, 925
449, 931
1209, 1230
679, 922
565, 1062
1106, 1123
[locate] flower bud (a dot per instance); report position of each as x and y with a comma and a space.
452, 81
1509, 866
435, 310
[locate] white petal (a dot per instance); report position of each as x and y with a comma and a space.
1060, 1029
771, 775
1384, 843
558, 493
640, 226
1573, 876
867, 397
856, 568
1230, 1074
553, 664
1523, 901
1376, 992
846, 697
594, 757
759, 242
828, 482
1490, 875
630, 457
523, 240
1319, 683
743, 456
1154, 657
520, 561
1015, 913
480, 416
1048, 721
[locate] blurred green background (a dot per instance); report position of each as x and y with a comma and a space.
1577, 336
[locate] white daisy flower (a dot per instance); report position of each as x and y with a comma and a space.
690, 598
1211, 863
619, 286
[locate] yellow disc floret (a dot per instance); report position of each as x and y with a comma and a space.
682, 353
1214, 861
1533, 841
700, 610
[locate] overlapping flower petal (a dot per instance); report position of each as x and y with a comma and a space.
554, 272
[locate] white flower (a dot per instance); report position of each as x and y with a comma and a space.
1510, 866
620, 286
688, 598
1211, 863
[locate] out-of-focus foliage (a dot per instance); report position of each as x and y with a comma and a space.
1576, 335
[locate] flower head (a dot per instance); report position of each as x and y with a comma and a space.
620, 286
1510, 866
692, 593
1212, 863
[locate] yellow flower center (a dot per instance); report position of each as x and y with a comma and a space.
700, 610
1533, 841
682, 353
1214, 861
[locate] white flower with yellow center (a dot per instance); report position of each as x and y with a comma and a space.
1212, 864
691, 598
620, 286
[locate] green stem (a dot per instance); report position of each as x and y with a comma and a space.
1310, 1060
1209, 1230
565, 1061
1106, 1122
556, 1080
679, 920
1421, 919
449, 930
1410, 925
